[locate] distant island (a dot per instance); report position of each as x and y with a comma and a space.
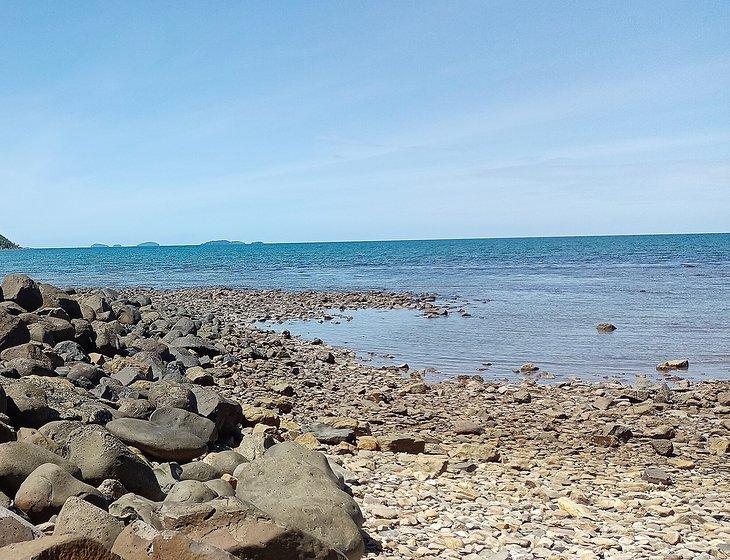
222, 242
148, 244
99, 246
5, 243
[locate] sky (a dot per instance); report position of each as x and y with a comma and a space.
181, 122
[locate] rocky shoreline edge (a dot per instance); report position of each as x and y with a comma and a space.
165, 424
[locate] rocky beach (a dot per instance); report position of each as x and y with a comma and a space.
175, 424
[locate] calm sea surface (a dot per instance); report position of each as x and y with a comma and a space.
535, 299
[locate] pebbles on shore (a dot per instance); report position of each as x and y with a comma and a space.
195, 434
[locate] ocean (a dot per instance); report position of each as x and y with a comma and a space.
530, 299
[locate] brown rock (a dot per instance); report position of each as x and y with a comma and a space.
401, 444
58, 547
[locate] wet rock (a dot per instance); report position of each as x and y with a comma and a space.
673, 364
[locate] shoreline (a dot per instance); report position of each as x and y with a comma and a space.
578, 452
460, 468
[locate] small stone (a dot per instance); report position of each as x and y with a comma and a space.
367, 443
467, 427
673, 364
656, 475
573, 509
662, 447
401, 444
719, 446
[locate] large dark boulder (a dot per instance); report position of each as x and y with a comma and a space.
22, 290
55, 297
12, 330
27, 404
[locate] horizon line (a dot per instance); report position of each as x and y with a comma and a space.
402, 240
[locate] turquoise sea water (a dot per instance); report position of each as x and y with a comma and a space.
535, 299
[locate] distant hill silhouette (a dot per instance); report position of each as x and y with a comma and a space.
149, 244
5, 243
222, 242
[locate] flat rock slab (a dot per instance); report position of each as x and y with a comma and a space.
156, 440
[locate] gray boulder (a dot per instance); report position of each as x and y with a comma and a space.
167, 474
197, 344
328, 434
172, 395
298, 489
190, 491
179, 419
221, 487
243, 531
106, 338
59, 430
80, 517
200, 471
134, 408
70, 351
132, 507
158, 441
47, 488
253, 446
225, 462
51, 330
101, 455
84, 375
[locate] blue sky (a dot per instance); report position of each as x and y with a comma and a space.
301, 121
